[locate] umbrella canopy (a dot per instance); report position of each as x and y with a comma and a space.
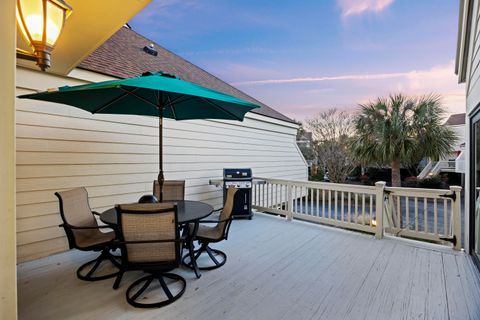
153, 94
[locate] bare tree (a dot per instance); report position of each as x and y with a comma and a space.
331, 131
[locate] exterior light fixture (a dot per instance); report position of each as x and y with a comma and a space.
41, 22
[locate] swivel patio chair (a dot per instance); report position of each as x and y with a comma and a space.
172, 190
212, 234
83, 232
149, 239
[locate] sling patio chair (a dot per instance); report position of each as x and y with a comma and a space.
83, 232
149, 240
172, 190
205, 235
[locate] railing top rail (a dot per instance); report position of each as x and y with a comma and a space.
420, 192
322, 185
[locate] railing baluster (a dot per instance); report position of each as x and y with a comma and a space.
317, 209
371, 210
425, 215
278, 197
342, 206
363, 208
272, 196
329, 204
349, 215
435, 216
267, 194
445, 218
407, 212
311, 201
336, 205
356, 207
277, 187
416, 213
301, 200
399, 212
263, 195
323, 203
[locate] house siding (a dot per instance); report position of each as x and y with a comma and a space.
472, 79
116, 157
473, 62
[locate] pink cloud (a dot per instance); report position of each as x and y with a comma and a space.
301, 97
357, 7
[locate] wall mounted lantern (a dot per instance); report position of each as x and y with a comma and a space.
41, 22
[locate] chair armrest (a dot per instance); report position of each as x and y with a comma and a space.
63, 225
96, 213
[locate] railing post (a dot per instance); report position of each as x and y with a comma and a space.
289, 203
379, 195
456, 216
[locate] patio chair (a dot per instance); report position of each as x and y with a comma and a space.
83, 232
149, 239
212, 234
172, 190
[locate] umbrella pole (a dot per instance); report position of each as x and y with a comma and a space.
161, 178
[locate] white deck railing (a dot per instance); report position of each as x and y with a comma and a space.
427, 214
432, 215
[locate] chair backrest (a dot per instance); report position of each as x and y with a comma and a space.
143, 224
75, 210
226, 214
172, 190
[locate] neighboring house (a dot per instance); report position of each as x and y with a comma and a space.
116, 157
468, 71
456, 122
306, 145
455, 162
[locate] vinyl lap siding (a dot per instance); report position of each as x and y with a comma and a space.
473, 71
116, 158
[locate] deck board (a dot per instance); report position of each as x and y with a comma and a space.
276, 269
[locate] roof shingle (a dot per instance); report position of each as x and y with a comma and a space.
122, 56
455, 119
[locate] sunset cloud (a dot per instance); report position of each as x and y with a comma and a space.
417, 79
299, 97
357, 7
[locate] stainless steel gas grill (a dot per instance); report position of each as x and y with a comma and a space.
242, 180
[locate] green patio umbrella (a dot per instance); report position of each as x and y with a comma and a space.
152, 94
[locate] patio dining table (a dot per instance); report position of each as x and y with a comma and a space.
188, 211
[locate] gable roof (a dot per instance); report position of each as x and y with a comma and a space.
123, 56
455, 119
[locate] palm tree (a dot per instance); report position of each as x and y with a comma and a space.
400, 129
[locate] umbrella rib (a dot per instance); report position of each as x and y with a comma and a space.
141, 98
108, 104
222, 109
176, 100
170, 103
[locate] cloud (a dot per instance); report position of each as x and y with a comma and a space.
326, 78
301, 97
417, 79
357, 7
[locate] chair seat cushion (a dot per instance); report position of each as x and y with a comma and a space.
93, 237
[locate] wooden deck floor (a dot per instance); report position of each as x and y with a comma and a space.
277, 269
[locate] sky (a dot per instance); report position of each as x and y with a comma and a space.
304, 57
